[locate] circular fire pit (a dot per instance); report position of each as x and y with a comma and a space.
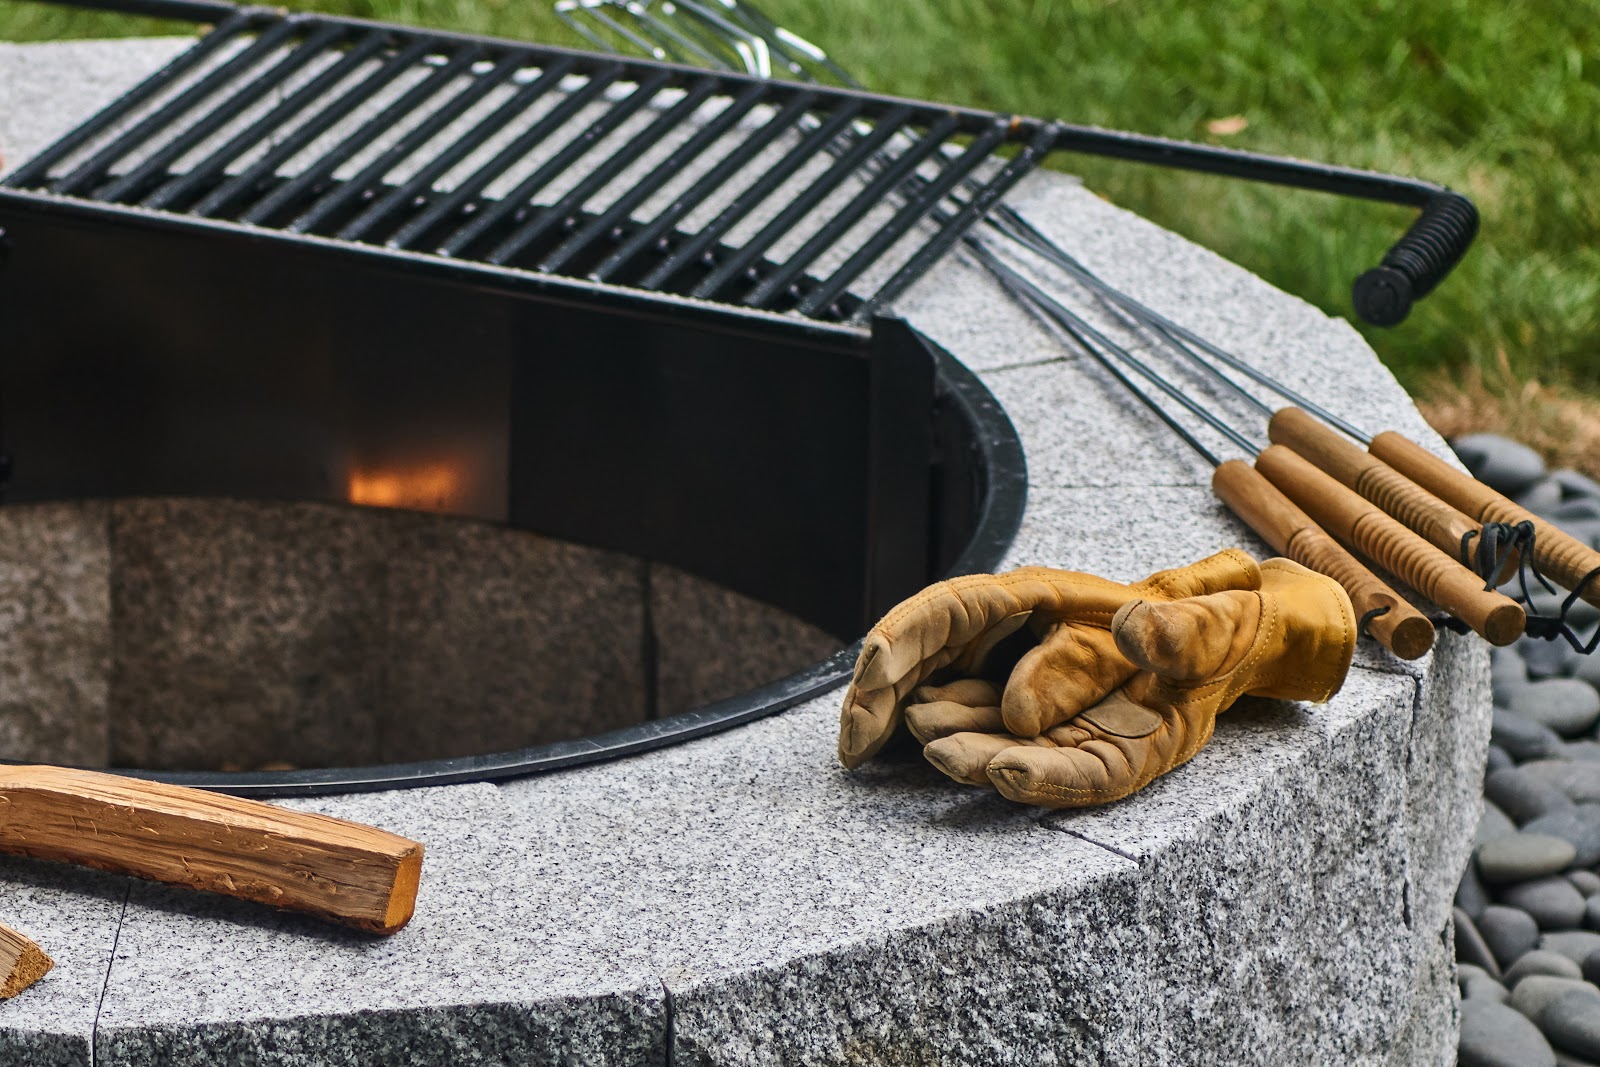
740, 900
266, 647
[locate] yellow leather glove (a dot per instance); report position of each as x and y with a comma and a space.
1125, 684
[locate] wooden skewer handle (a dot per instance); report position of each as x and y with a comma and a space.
342, 871
1559, 555
22, 963
1440, 524
1393, 623
1360, 524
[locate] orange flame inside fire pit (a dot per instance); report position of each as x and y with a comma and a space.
432, 487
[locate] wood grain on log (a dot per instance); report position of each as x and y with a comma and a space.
22, 963
342, 871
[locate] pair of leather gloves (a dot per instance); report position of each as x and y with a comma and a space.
1125, 683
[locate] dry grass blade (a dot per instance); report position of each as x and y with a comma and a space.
1560, 423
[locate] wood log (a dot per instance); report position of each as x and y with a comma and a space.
342, 871
22, 962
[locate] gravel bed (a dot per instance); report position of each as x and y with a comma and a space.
1527, 911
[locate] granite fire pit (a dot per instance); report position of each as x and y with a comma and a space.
739, 899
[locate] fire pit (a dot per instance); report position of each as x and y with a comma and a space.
723, 498
736, 899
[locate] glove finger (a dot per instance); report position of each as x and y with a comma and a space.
941, 718
973, 692
955, 621
1188, 640
1228, 569
966, 756
1073, 668
1092, 772
1134, 735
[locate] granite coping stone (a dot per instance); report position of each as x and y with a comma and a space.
740, 900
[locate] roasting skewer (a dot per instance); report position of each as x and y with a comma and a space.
1317, 502
1384, 614
1556, 553
1447, 527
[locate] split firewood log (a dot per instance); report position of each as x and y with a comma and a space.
341, 871
22, 962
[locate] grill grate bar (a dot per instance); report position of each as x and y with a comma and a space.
844, 167
247, 181
207, 170
746, 201
539, 132
133, 184
421, 183
565, 210
954, 228
339, 196
910, 213
664, 172
36, 170
408, 140
518, 200
875, 193
94, 168
715, 178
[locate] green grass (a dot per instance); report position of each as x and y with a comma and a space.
1499, 100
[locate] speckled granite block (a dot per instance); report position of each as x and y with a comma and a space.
1446, 750
497, 966
246, 632
249, 632
502, 639
1046, 980
55, 632
50, 87
73, 915
1077, 431
713, 643
797, 913
1276, 859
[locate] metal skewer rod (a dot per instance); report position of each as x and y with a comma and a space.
1382, 613
1349, 517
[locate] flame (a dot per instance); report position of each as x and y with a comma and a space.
433, 487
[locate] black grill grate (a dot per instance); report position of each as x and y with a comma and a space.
720, 187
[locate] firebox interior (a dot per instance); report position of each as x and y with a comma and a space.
346, 511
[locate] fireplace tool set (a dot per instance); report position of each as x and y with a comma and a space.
740, 239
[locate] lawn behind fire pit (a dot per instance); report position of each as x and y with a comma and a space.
1501, 101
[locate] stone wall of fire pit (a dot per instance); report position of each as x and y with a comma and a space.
205, 634
739, 900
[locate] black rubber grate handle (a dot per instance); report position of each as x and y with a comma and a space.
1432, 246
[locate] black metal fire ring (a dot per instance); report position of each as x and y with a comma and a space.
1000, 456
